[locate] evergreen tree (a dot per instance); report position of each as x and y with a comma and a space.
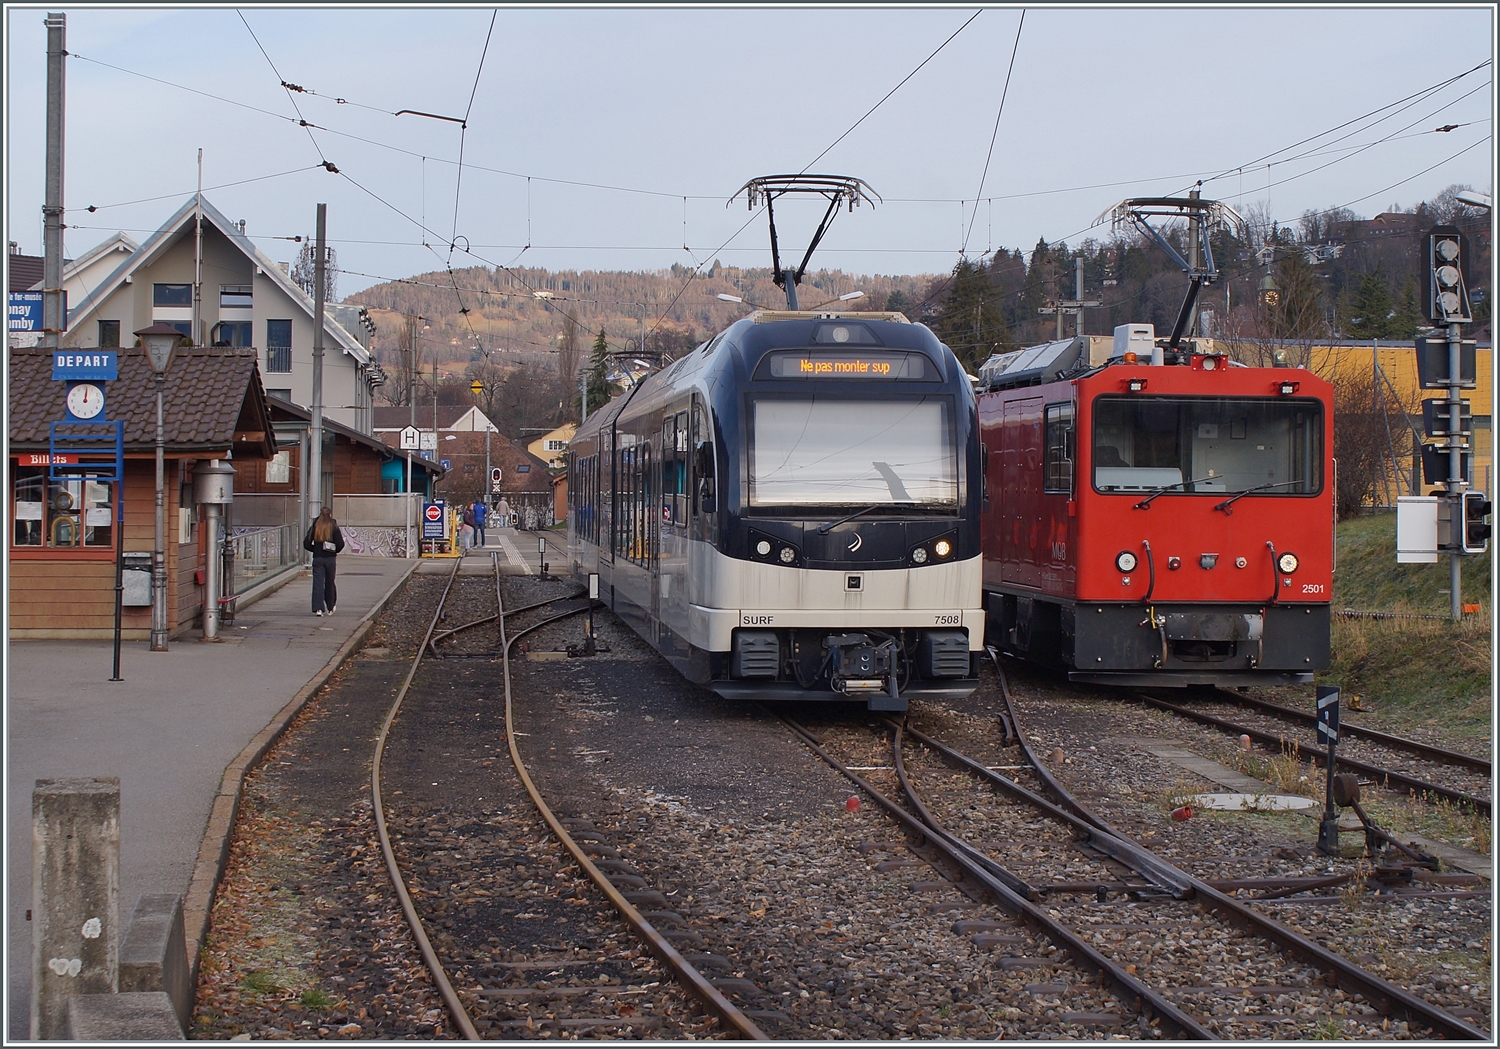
970, 320
599, 391
1372, 308
1408, 316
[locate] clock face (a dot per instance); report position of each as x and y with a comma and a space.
85, 400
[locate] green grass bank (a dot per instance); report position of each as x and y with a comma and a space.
1423, 674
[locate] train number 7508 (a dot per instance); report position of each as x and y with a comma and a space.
946, 619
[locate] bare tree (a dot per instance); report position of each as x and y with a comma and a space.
1369, 425
569, 353
305, 270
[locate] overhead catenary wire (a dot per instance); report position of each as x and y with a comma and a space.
285, 87
999, 111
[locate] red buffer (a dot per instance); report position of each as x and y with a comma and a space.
1155, 517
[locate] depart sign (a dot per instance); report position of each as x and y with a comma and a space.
85, 365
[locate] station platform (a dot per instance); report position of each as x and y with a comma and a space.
176, 731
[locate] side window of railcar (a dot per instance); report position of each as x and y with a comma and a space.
1057, 462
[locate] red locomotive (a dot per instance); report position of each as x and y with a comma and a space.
1161, 517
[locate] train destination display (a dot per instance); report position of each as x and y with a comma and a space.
799, 364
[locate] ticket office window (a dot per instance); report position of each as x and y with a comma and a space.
63, 515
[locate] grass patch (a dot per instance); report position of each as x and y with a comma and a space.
315, 998
1429, 674
261, 982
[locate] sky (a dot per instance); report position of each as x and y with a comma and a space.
615, 138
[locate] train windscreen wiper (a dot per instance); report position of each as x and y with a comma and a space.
831, 525
1248, 491
1145, 504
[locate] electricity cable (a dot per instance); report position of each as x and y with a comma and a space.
989, 155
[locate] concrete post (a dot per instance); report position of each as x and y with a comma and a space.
75, 896
53, 320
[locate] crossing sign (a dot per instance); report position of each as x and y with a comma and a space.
1328, 714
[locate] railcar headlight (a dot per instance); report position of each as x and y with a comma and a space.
1287, 562
919, 555
787, 555
942, 548
1126, 562
763, 548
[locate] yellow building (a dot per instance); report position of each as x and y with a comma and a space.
552, 447
1395, 364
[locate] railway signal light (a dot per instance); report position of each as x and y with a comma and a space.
1445, 299
1476, 522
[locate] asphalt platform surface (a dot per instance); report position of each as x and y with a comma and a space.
169, 730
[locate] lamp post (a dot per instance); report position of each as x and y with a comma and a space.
160, 340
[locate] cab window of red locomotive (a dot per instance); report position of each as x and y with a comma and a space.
1057, 462
1208, 444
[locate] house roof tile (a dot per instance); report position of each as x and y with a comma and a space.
210, 395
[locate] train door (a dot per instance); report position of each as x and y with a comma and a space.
1021, 484
671, 568
1059, 572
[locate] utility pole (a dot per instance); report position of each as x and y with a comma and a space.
197, 328
315, 485
53, 320
1075, 305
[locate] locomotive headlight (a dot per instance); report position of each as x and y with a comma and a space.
919, 555
763, 548
787, 555
1287, 563
942, 548
1126, 562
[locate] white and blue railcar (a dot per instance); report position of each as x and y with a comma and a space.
791, 511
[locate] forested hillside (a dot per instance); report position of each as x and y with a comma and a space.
525, 334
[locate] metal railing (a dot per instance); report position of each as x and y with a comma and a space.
263, 553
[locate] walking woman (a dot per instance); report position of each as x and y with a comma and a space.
325, 541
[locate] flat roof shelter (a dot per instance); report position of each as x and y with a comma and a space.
62, 533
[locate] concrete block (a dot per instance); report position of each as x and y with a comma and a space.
137, 1016
75, 896
154, 954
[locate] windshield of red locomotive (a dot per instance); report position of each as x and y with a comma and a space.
1208, 444
820, 451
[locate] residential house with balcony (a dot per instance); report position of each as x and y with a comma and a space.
239, 296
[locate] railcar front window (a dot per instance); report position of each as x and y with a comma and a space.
1209, 444
816, 451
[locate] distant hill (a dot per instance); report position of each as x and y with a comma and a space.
523, 313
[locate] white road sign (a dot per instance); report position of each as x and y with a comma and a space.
410, 438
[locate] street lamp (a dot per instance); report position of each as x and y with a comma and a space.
160, 340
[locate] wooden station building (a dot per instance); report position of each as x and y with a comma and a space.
62, 533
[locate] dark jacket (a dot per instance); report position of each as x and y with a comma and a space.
337, 540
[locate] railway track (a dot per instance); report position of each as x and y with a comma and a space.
496, 987
1062, 924
1375, 756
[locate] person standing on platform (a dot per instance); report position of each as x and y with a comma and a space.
325, 541
466, 529
504, 511
479, 515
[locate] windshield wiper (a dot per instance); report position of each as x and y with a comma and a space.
1145, 504
1258, 488
831, 525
